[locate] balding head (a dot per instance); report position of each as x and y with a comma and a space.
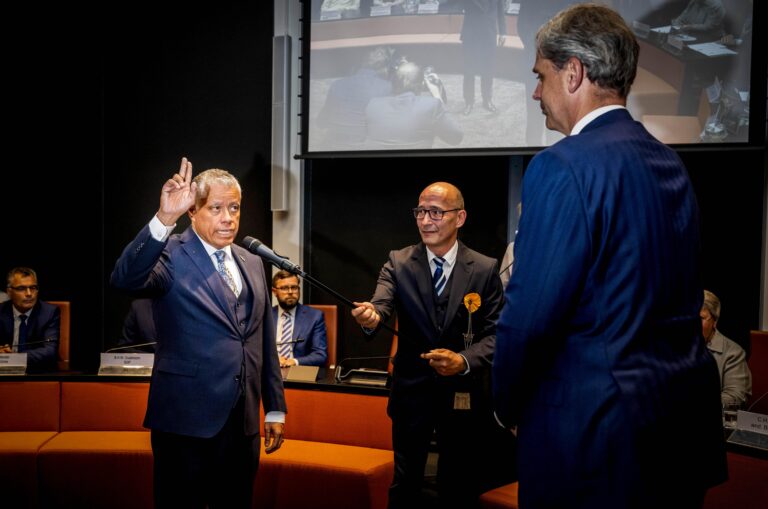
439, 235
447, 191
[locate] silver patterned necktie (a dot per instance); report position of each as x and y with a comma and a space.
224, 271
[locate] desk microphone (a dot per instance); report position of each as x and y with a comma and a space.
338, 375
28, 343
126, 347
757, 401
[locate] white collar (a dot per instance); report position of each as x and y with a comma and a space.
589, 117
449, 257
210, 249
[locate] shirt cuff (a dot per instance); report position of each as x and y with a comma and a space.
159, 231
275, 416
466, 363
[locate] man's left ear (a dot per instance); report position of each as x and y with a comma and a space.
461, 217
575, 70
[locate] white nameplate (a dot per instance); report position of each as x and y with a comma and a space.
514, 8
381, 10
641, 29
748, 421
330, 15
429, 8
135, 364
675, 42
13, 363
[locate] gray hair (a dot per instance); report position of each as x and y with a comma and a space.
23, 271
205, 179
378, 59
408, 78
596, 36
711, 304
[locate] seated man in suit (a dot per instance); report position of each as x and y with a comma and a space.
28, 325
139, 327
301, 333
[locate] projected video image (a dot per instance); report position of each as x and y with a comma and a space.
457, 74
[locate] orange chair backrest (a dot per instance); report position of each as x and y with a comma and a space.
330, 313
63, 333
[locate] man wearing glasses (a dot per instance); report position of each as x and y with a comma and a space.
301, 333
442, 366
28, 325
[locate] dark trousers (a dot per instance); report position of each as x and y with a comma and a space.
216, 472
478, 61
474, 456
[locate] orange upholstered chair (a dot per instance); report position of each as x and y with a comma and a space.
103, 455
29, 417
63, 334
504, 497
330, 313
337, 453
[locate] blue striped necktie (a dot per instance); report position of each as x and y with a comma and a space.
438, 278
285, 348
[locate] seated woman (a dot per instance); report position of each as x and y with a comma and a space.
735, 378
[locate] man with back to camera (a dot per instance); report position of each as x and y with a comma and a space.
440, 380
599, 358
408, 119
28, 325
301, 333
216, 358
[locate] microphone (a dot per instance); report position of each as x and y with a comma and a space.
257, 247
126, 347
26, 344
757, 401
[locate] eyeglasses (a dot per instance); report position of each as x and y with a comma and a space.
22, 289
434, 214
292, 288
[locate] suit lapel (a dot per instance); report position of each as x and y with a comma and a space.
246, 274
195, 250
460, 278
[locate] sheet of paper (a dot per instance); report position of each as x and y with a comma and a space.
712, 49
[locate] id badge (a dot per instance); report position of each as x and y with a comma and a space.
461, 401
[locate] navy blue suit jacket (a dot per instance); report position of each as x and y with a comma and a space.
43, 323
309, 325
599, 355
201, 347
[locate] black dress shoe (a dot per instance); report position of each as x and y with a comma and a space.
488, 105
468, 109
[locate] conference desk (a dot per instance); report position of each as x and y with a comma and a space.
687, 70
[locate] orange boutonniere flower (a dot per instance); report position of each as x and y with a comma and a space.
472, 302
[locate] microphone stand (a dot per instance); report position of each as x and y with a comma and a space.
295, 269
